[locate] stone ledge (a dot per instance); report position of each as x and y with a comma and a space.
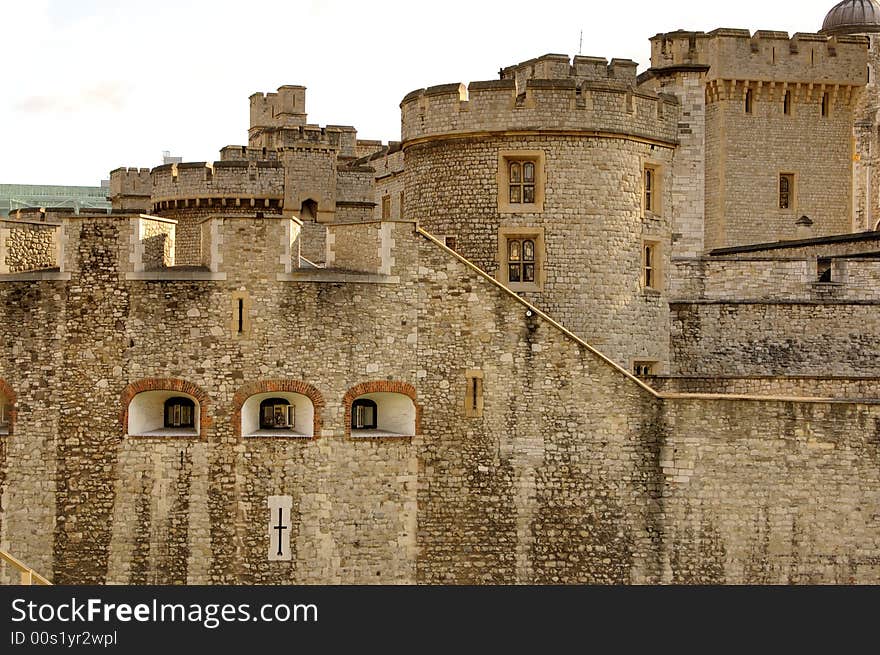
34, 276
319, 275
186, 276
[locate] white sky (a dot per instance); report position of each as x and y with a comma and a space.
87, 86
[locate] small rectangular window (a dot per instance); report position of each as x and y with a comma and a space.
786, 190
473, 401
650, 184
521, 260
749, 101
786, 103
449, 242
386, 208
826, 104
650, 277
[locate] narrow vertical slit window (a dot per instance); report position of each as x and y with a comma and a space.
786, 103
240, 315
826, 103
649, 189
749, 101
786, 190
473, 401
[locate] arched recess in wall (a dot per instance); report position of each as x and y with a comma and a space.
7, 408
164, 407
308, 210
278, 408
382, 409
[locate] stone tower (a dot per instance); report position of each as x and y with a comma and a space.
862, 18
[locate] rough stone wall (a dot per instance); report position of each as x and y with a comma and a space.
800, 387
29, 247
770, 492
573, 473
158, 241
775, 338
592, 224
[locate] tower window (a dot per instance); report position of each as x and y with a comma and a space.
386, 208
643, 369
749, 101
520, 260
651, 278
786, 190
786, 103
826, 104
180, 413
473, 400
521, 182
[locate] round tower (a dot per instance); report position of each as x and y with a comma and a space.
555, 180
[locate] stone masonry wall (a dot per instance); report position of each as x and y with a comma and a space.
742, 205
770, 492
801, 387
775, 338
573, 473
28, 247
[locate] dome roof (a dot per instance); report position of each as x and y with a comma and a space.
852, 17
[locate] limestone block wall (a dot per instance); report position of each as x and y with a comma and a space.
156, 243
736, 54
746, 153
842, 388
775, 338
770, 492
575, 472
28, 246
592, 223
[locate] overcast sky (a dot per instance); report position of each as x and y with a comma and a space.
91, 85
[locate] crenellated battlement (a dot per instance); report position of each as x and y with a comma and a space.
130, 188
768, 56
230, 183
607, 104
580, 69
285, 108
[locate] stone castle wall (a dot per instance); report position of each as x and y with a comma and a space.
785, 337
573, 473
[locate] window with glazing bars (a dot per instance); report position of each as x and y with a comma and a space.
520, 260
521, 181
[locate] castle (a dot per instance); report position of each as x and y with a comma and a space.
578, 325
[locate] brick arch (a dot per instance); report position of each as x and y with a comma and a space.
380, 386
166, 384
12, 397
281, 386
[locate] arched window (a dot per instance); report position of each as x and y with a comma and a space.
277, 414
309, 211
163, 413
180, 412
274, 409
364, 414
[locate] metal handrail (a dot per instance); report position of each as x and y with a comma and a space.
28, 575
